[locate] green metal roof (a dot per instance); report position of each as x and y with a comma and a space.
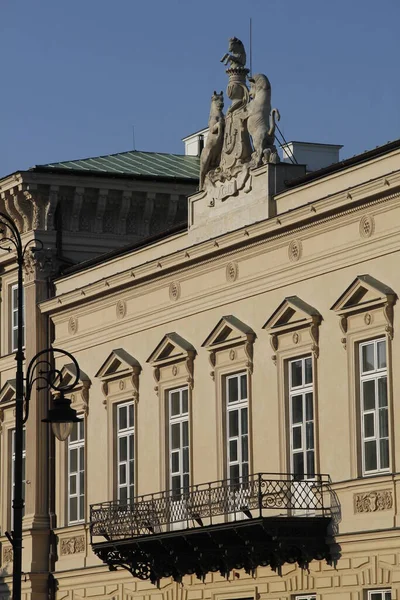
144, 164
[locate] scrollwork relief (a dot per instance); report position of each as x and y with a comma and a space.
373, 501
72, 545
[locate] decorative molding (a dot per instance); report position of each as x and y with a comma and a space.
294, 315
172, 350
362, 295
120, 309
232, 271
73, 545
121, 366
174, 290
8, 555
80, 397
295, 250
373, 501
40, 264
73, 325
367, 226
230, 331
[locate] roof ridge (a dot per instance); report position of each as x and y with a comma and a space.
118, 154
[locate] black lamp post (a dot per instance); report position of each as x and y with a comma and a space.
42, 373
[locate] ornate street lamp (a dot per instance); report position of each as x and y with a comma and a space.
42, 373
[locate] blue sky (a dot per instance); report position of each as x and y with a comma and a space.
77, 74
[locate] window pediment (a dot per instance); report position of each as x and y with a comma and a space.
7, 392
291, 315
120, 365
80, 394
230, 332
173, 349
365, 294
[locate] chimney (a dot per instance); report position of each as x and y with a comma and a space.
314, 156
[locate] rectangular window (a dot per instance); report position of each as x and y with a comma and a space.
301, 410
237, 427
306, 597
126, 451
14, 318
13, 469
76, 474
178, 443
379, 595
374, 407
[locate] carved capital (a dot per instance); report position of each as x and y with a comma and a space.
249, 351
40, 264
212, 359
314, 334
156, 375
135, 382
189, 364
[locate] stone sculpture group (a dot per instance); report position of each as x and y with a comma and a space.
243, 139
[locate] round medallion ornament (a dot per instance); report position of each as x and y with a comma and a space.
368, 318
121, 385
174, 290
232, 271
73, 325
367, 226
296, 338
295, 250
232, 354
175, 370
120, 308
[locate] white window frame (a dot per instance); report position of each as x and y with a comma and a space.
382, 592
14, 317
302, 390
13, 471
240, 404
174, 420
373, 375
127, 464
306, 597
78, 445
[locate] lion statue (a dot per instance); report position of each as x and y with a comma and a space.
211, 154
261, 121
236, 55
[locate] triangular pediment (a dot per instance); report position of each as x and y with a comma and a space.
293, 312
229, 330
364, 292
7, 392
68, 376
172, 347
119, 362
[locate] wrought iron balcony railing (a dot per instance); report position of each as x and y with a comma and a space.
255, 496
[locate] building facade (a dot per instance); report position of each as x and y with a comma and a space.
238, 392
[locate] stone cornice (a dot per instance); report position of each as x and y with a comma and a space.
274, 231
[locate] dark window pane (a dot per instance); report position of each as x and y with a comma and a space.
73, 460
232, 389
383, 423
244, 421
369, 425
296, 371
184, 401
81, 458
73, 509
81, 507
233, 447
309, 407
185, 455
123, 494
123, 417
384, 450
185, 433
131, 447
131, 415
381, 354
298, 464
310, 464
131, 471
122, 474
233, 428
82, 482
243, 387
234, 473
123, 448
245, 449
74, 433
176, 484
370, 456
72, 484
175, 436
175, 408
296, 438
368, 358
175, 462
369, 394
308, 370
297, 409
245, 472
186, 482
382, 391
310, 436
81, 430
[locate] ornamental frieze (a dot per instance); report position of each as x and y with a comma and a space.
373, 501
73, 545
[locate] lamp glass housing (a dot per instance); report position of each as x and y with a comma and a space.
62, 431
